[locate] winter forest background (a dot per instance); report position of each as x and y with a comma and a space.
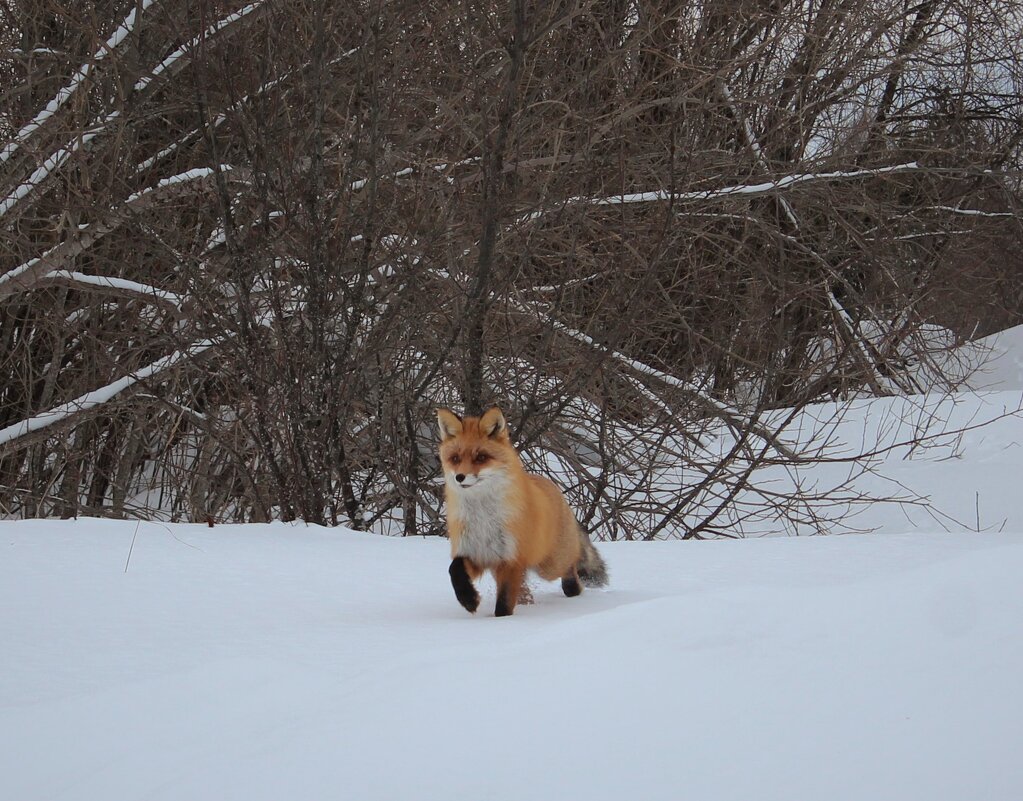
246, 249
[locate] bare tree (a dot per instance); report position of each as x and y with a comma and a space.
247, 247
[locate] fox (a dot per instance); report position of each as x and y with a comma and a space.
502, 519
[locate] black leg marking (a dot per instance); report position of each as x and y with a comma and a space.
571, 586
509, 582
503, 608
465, 592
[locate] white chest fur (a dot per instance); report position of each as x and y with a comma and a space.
483, 512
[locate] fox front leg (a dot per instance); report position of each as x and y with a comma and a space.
461, 580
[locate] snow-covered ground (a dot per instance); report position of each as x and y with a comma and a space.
285, 661
270, 662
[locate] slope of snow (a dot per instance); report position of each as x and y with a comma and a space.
1002, 362
268, 662
955, 458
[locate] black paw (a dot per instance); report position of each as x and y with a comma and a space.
571, 586
465, 592
471, 601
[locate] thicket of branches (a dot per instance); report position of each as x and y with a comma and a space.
247, 248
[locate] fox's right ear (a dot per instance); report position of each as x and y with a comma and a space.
449, 424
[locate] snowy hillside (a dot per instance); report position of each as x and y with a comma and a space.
269, 662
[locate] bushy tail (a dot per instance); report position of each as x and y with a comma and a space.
591, 567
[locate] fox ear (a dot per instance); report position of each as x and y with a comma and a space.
449, 424
493, 425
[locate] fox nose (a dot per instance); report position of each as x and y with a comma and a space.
460, 478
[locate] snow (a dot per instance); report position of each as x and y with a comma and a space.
973, 212
754, 189
97, 397
17, 272
196, 174
53, 162
112, 282
764, 187
263, 662
25, 273
641, 368
170, 661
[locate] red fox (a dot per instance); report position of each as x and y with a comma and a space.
503, 519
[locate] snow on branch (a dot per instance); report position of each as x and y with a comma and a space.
973, 212
356, 185
727, 413
443, 167
51, 163
170, 64
763, 188
68, 412
60, 256
173, 62
197, 174
564, 285
872, 371
121, 285
90, 400
82, 74
223, 115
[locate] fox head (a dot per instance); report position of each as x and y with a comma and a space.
475, 450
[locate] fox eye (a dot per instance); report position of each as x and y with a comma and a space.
456, 459
480, 458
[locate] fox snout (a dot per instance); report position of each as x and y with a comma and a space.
465, 480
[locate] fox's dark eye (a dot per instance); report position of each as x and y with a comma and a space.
456, 459
480, 458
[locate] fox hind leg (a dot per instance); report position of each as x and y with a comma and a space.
570, 583
462, 572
